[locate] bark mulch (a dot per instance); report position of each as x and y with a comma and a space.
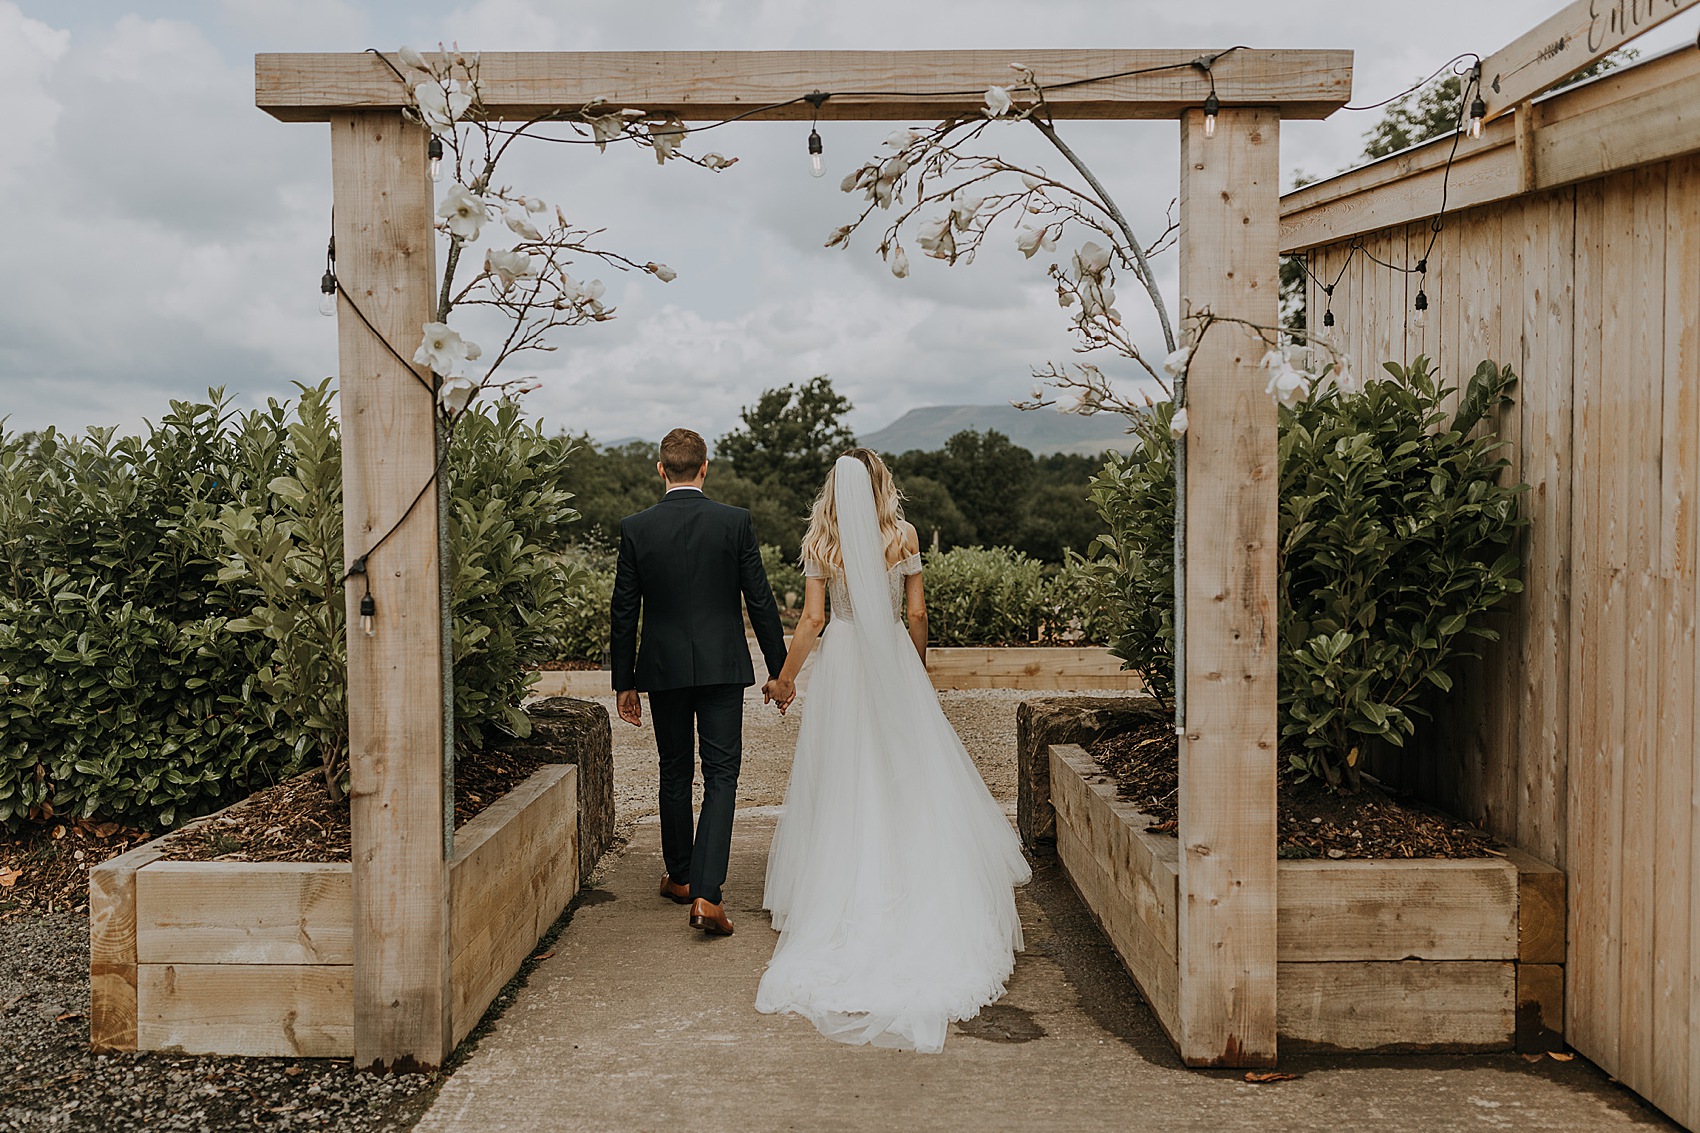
1314, 821
44, 867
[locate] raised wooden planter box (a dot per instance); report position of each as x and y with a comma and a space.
1040, 668
1424, 954
257, 958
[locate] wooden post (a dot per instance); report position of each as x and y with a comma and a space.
384, 243
1229, 218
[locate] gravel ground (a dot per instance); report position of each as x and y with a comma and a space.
50, 1080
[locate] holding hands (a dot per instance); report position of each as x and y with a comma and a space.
781, 691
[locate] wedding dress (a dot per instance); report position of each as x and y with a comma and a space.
890, 878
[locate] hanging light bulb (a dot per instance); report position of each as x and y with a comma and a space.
1328, 317
434, 151
327, 294
1212, 105
816, 167
1478, 114
368, 608
1420, 319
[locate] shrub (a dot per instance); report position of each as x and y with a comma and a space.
784, 575
584, 629
983, 596
172, 610
1396, 540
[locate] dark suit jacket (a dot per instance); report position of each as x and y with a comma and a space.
684, 564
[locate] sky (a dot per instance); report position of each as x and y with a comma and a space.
166, 236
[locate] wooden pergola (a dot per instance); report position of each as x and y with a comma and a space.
1229, 216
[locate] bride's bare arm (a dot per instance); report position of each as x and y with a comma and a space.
809, 625
914, 598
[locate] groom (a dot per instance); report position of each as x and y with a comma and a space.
683, 565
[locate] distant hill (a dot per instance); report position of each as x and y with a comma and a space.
1039, 431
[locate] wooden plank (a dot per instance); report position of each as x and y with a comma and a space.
1548, 404
1410, 1005
384, 241
1540, 1008
245, 913
1228, 215
1631, 117
702, 85
1143, 869
112, 948
515, 870
262, 1010
1030, 668
1585, 850
1540, 909
1152, 967
1578, 35
1673, 748
1397, 910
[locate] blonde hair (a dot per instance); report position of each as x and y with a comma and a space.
820, 542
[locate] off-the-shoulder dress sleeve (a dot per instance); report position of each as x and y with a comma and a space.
910, 565
812, 569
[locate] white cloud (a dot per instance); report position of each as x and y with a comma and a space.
29, 50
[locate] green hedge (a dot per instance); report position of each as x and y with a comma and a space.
171, 615
996, 596
1397, 538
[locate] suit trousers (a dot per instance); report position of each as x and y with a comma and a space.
713, 714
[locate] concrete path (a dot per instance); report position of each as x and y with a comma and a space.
637, 1023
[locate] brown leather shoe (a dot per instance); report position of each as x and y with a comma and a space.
674, 892
712, 919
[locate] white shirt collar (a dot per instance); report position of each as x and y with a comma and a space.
684, 488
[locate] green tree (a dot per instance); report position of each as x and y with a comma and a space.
988, 476
608, 484
791, 436
928, 505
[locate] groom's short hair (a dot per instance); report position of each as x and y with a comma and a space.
683, 452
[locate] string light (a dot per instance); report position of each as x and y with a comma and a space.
1420, 319
817, 164
1478, 108
1212, 105
327, 282
368, 608
434, 150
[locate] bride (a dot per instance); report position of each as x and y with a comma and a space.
890, 878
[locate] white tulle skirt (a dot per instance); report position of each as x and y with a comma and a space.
890, 878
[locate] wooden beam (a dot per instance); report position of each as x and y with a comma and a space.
112, 948
244, 913
261, 1010
1229, 210
1638, 116
1573, 38
708, 85
384, 243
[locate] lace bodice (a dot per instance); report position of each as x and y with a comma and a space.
838, 591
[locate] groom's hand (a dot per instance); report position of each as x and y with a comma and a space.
779, 691
631, 708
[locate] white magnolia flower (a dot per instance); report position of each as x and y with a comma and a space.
998, 102
1031, 240
440, 105
1098, 299
900, 264
1345, 377
839, 235
411, 58
1274, 360
717, 162
528, 385
1091, 259
534, 204
507, 266
1176, 363
1287, 386
464, 210
443, 349
662, 272
1177, 424
962, 212
667, 137
582, 294
1038, 391
936, 238
1070, 401
1033, 184
852, 180
606, 128
523, 226
902, 139
455, 394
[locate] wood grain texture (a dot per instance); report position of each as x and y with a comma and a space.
1540, 909
1397, 910
112, 948
1228, 215
1127, 878
1577, 35
702, 85
1636, 116
515, 870
262, 1010
1056, 669
384, 242
245, 913
1413, 1005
